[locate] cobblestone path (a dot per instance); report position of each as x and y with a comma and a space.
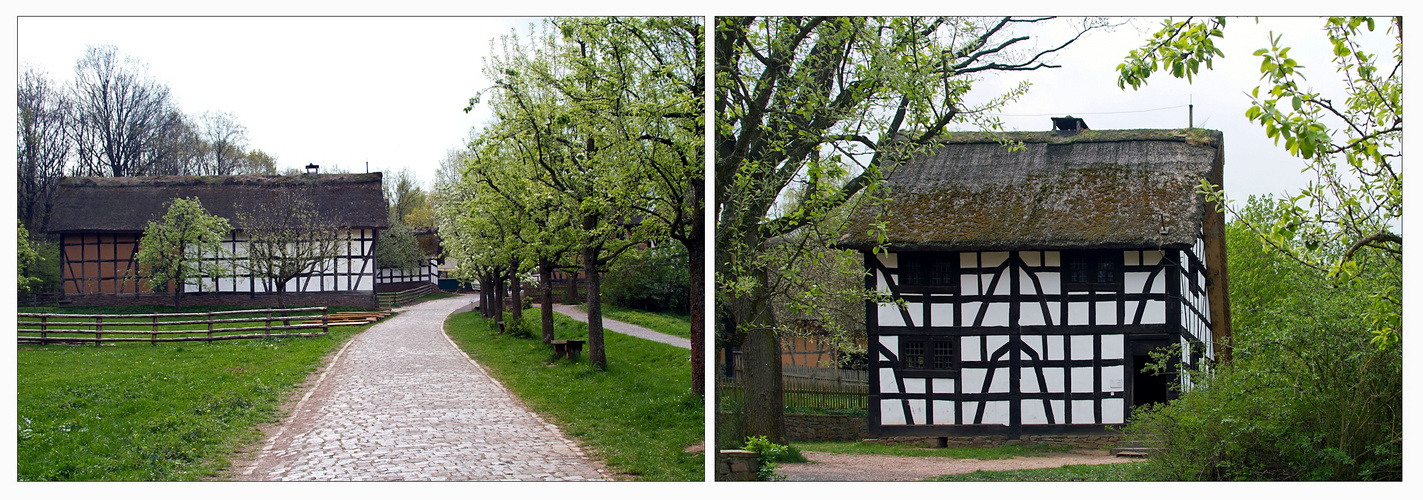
401, 402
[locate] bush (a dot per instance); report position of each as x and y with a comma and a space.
1309, 397
768, 454
651, 279
522, 329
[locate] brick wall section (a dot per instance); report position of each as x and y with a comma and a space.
364, 300
736, 465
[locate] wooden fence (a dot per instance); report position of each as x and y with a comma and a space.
820, 389
387, 300
134, 328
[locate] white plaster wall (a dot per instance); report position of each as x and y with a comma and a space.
1113, 411
891, 412
1082, 412
944, 412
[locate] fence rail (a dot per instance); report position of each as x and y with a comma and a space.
387, 300
128, 330
803, 389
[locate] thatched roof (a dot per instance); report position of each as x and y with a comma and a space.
126, 204
1094, 189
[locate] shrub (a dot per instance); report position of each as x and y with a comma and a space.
768, 454
522, 329
1308, 397
651, 279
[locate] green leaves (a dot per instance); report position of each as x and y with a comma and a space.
1348, 217
172, 249
1180, 46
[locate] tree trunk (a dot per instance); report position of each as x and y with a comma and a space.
572, 288
486, 294
695, 255
498, 297
546, 298
177, 290
761, 367
516, 290
596, 355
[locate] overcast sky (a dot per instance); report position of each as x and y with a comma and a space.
331, 91
391, 91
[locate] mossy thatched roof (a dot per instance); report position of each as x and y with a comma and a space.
1094, 189
126, 204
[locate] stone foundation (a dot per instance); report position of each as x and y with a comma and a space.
1087, 441
363, 300
815, 427
736, 465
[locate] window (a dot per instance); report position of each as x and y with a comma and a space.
914, 354
935, 354
1099, 270
928, 270
943, 356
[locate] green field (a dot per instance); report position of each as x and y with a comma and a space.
135, 411
638, 416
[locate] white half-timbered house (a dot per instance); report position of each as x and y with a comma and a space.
100, 220
1035, 283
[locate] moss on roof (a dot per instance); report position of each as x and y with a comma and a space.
126, 204
1095, 189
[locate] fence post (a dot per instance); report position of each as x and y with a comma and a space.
209, 327
44, 329
98, 329
267, 330
324, 326
155, 330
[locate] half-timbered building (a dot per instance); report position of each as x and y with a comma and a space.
1032, 283
99, 222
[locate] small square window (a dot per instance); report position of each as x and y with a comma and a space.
925, 270
1100, 270
914, 354
943, 355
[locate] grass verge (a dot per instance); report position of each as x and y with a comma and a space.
638, 416
141, 412
669, 323
1106, 472
904, 450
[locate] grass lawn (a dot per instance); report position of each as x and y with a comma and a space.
1105, 472
638, 416
669, 323
904, 450
135, 411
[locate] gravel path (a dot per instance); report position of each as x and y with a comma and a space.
624, 328
845, 467
401, 402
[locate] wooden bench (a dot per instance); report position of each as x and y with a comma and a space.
567, 348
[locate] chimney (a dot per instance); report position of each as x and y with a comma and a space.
1068, 125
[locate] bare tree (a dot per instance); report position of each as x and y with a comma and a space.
226, 139
178, 149
121, 114
42, 147
287, 237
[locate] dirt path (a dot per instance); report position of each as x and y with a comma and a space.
843, 467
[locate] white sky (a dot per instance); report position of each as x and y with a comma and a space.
344, 91
337, 91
